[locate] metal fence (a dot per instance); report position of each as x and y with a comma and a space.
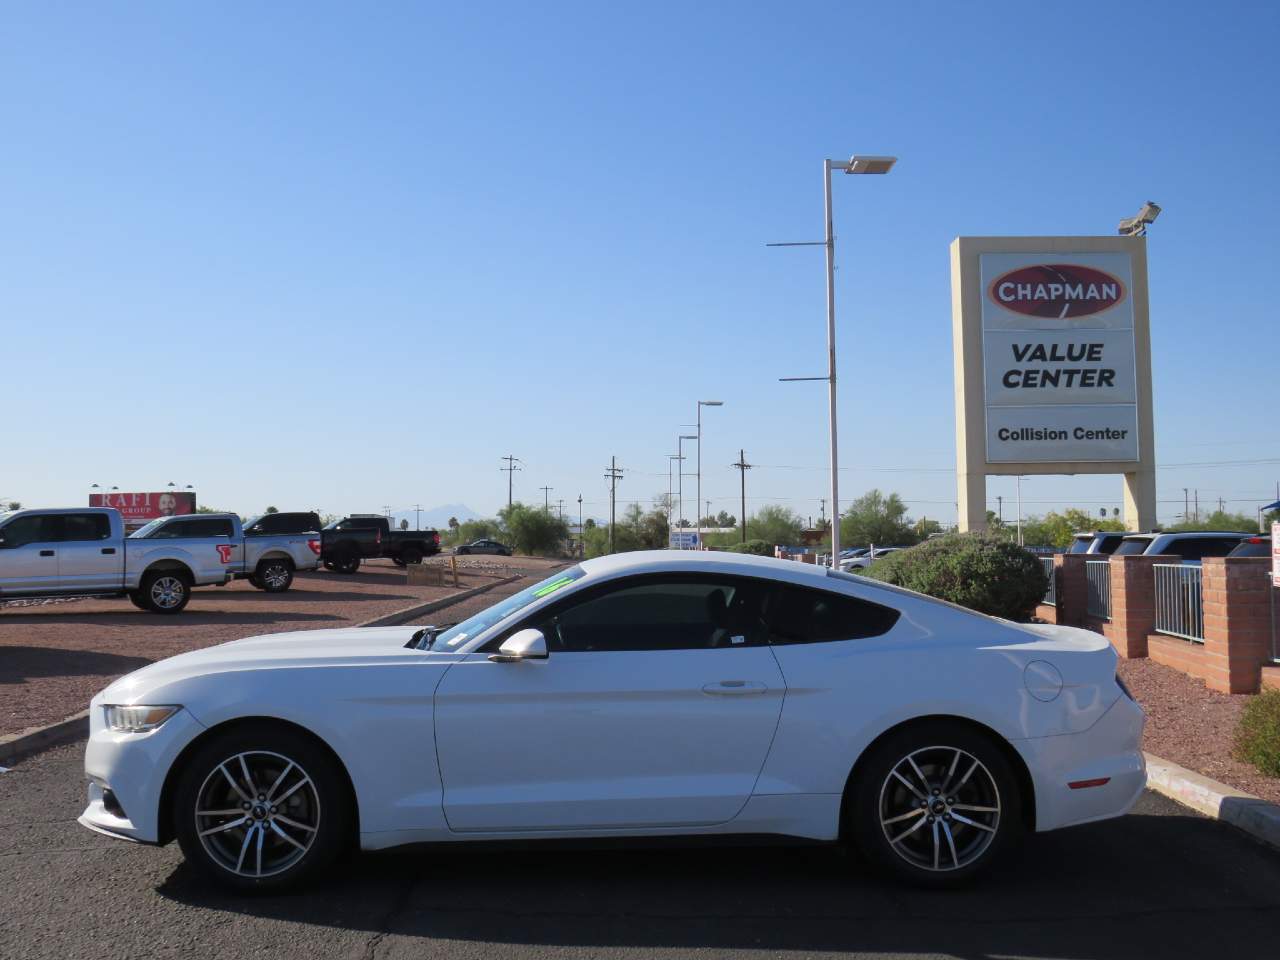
1179, 601
1050, 595
1098, 587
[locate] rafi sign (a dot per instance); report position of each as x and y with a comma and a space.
1058, 358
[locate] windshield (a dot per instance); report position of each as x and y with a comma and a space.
146, 531
459, 633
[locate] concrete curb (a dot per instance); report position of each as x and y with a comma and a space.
15, 746
1255, 816
398, 617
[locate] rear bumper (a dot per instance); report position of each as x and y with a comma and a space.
1110, 750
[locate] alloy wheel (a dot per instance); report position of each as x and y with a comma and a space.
168, 592
939, 808
257, 814
275, 576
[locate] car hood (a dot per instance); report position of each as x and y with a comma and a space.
353, 646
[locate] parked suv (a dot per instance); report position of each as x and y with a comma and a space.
1258, 545
1191, 546
295, 524
1100, 541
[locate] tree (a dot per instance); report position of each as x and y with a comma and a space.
272, 510
404, 524
453, 524
776, 525
533, 530
1220, 520
15, 505
722, 520
877, 518
1057, 529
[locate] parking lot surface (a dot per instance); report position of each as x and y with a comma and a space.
54, 658
1159, 883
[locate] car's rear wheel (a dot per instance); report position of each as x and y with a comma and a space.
275, 576
261, 808
462, 551
166, 591
935, 804
349, 563
410, 555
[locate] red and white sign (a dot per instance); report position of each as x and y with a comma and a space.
1058, 290
1275, 553
142, 507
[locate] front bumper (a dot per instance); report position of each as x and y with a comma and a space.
1111, 749
133, 767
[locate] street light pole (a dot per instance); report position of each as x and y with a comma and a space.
855, 164
697, 504
680, 484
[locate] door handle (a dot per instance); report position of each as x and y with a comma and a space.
734, 688
108, 550
47, 553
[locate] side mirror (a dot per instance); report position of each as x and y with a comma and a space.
522, 645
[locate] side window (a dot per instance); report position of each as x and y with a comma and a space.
267, 524
801, 615
85, 526
660, 614
31, 529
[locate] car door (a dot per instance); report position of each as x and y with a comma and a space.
655, 707
29, 554
87, 559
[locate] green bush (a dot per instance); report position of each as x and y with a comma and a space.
1258, 733
760, 548
977, 571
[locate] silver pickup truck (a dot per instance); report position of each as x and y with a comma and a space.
83, 552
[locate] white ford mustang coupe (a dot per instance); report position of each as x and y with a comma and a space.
647, 694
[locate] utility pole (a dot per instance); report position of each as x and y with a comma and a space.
613, 476
387, 510
510, 470
582, 538
1186, 505
417, 516
822, 511
1221, 506
1000, 510
1196, 493
742, 467
560, 508
546, 498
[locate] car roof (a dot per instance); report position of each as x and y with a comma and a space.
1188, 534
704, 561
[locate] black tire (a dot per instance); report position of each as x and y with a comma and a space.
410, 555
463, 551
941, 851
139, 600
254, 581
166, 591
274, 575
397, 561
347, 563
323, 804
328, 564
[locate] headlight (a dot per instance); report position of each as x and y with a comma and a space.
137, 719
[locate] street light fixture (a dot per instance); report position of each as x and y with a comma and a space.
855, 164
698, 503
680, 485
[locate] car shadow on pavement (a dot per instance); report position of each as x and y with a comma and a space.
18, 664
310, 596
1141, 886
127, 616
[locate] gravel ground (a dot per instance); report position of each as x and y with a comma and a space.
55, 657
1194, 726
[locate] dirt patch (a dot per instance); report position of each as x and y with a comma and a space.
55, 657
1194, 726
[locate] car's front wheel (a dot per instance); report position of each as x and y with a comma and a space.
935, 804
262, 808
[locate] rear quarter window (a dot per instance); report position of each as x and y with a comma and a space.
1132, 548
804, 615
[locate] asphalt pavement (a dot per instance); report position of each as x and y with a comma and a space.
1162, 882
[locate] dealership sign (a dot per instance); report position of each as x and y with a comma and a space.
1058, 355
141, 507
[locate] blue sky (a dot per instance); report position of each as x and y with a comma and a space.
327, 256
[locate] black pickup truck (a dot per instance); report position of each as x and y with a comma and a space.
344, 543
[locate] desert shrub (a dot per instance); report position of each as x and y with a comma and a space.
1258, 733
760, 548
983, 573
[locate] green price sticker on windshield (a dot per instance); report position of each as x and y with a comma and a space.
552, 587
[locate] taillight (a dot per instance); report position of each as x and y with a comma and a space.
315, 546
377, 538
436, 538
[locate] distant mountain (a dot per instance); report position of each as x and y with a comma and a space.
436, 517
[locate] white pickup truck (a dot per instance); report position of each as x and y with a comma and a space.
83, 552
